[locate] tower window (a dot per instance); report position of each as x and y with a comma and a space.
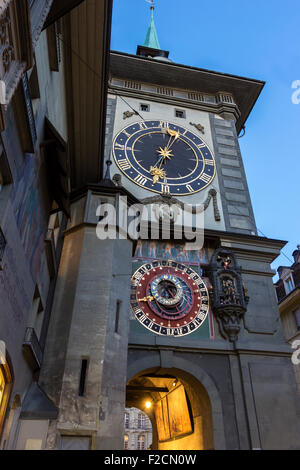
145, 107
83, 373
179, 113
117, 319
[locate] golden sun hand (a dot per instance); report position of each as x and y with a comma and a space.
165, 153
157, 174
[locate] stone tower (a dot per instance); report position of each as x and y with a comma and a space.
195, 332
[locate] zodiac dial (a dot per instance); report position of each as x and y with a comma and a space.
164, 158
169, 298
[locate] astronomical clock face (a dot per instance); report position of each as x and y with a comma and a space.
164, 158
169, 298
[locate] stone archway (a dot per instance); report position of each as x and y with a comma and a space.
186, 412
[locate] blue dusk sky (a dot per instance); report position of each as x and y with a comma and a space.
255, 39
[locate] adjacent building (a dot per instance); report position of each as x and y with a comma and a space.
138, 430
288, 294
44, 87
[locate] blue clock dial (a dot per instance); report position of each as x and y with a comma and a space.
164, 158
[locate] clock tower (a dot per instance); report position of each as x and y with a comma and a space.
192, 331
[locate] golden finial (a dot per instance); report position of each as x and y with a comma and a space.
151, 3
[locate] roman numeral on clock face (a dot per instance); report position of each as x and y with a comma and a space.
165, 189
163, 124
140, 180
119, 146
189, 188
142, 125
206, 178
209, 162
124, 164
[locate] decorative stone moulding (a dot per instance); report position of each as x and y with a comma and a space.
3, 5
221, 103
168, 200
229, 297
40, 11
21, 23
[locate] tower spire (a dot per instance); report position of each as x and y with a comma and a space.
151, 37
151, 47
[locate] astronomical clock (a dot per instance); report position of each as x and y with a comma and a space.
167, 297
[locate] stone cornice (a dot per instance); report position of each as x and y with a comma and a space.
37, 26
221, 108
245, 91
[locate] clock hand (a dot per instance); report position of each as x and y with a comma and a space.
175, 134
164, 154
156, 171
146, 299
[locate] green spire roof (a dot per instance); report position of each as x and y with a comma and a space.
151, 38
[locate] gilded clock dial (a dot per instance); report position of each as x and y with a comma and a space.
169, 298
164, 158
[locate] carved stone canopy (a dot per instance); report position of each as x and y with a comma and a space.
229, 296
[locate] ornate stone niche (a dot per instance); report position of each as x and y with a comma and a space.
229, 296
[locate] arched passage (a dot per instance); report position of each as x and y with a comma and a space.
186, 411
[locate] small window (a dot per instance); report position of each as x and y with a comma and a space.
141, 421
54, 226
289, 285
83, 374
141, 442
126, 420
36, 317
126, 441
179, 113
145, 107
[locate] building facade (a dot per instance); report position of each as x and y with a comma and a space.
35, 182
93, 324
288, 294
138, 430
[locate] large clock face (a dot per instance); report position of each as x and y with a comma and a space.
168, 298
164, 158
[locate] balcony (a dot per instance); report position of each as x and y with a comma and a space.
32, 349
51, 252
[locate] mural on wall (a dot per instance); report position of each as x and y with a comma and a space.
16, 284
147, 250
28, 210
